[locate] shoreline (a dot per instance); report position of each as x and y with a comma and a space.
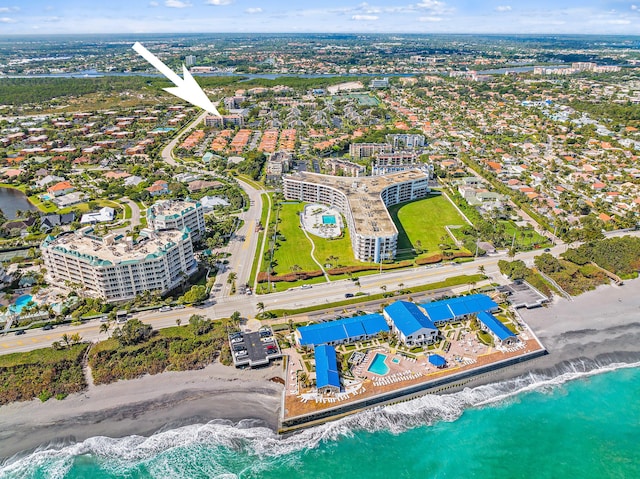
599, 327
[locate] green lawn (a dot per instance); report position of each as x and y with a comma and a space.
263, 221
525, 239
296, 249
423, 220
340, 248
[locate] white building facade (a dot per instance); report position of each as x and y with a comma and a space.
177, 215
116, 268
363, 201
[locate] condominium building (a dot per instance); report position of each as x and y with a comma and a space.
365, 150
364, 202
118, 268
177, 215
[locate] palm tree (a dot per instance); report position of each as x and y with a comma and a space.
295, 269
232, 277
66, 340
383, 288
400, 286
104, 328
260, 307
178, 322
481, 270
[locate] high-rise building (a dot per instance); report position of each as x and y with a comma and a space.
190, 60
117, 268
177, 215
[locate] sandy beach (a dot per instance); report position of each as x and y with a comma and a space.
597, 328
143, 406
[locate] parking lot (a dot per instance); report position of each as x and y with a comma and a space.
521, 294
254, 348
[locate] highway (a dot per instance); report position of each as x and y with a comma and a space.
220, 306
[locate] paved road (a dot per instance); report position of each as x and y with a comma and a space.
243, 243
319, 294
167, 151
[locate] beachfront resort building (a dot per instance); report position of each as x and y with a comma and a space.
346, 330
117, 268
363, 201
499, 332
410, 324
327, 375
177, 215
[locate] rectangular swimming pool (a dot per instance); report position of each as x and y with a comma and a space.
328, 220
378, 365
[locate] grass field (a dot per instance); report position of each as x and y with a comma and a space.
338, 248
423, 220
296, 249
526, 238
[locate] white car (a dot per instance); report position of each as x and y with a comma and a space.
305, 286
164, 309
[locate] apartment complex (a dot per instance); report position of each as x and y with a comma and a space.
177, 215
365, 150
364, 202
117, 268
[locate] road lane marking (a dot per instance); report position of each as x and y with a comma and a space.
247, 238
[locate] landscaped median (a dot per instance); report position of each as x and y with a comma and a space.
449, 282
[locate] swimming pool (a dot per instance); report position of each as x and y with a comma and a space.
20, 302
378, 366
395, 360
328, 220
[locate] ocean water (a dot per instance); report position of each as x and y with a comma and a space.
580, 421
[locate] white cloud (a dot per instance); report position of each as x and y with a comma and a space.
635, 7
360, 18
176, 4
503, 8
253, 10
219, 2
9, 9
435, 6
430, 19
154, 4
7, 20
618, 22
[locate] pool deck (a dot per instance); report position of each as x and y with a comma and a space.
409, 377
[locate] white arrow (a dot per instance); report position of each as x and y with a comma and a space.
186, 88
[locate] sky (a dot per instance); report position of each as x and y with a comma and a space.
344, 16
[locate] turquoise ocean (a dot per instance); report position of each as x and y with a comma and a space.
579, 422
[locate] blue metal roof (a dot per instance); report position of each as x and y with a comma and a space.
437, 360
495, 325
449, 309
408, 318
342, 329
326, 366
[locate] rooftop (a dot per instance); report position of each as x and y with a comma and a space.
112, 249
408, 318
342, 329
170, 208
363, 195
326, 367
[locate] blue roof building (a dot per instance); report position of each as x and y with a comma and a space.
327, 376
455, 308
414, 328
340, 331
501, 334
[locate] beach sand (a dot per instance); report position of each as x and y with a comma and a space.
597, 328
143, 406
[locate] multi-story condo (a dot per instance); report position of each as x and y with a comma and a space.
177, 215
365, 150
118, 268
364, 202
225, 120
405, 140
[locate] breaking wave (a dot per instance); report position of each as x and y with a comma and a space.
165, 453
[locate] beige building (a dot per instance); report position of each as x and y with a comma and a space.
177, 215
116, 268
364, 202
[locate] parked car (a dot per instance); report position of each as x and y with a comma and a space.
305, 286
20, 332
348, 295
546, 250
179, 306
164, 309
47, 327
